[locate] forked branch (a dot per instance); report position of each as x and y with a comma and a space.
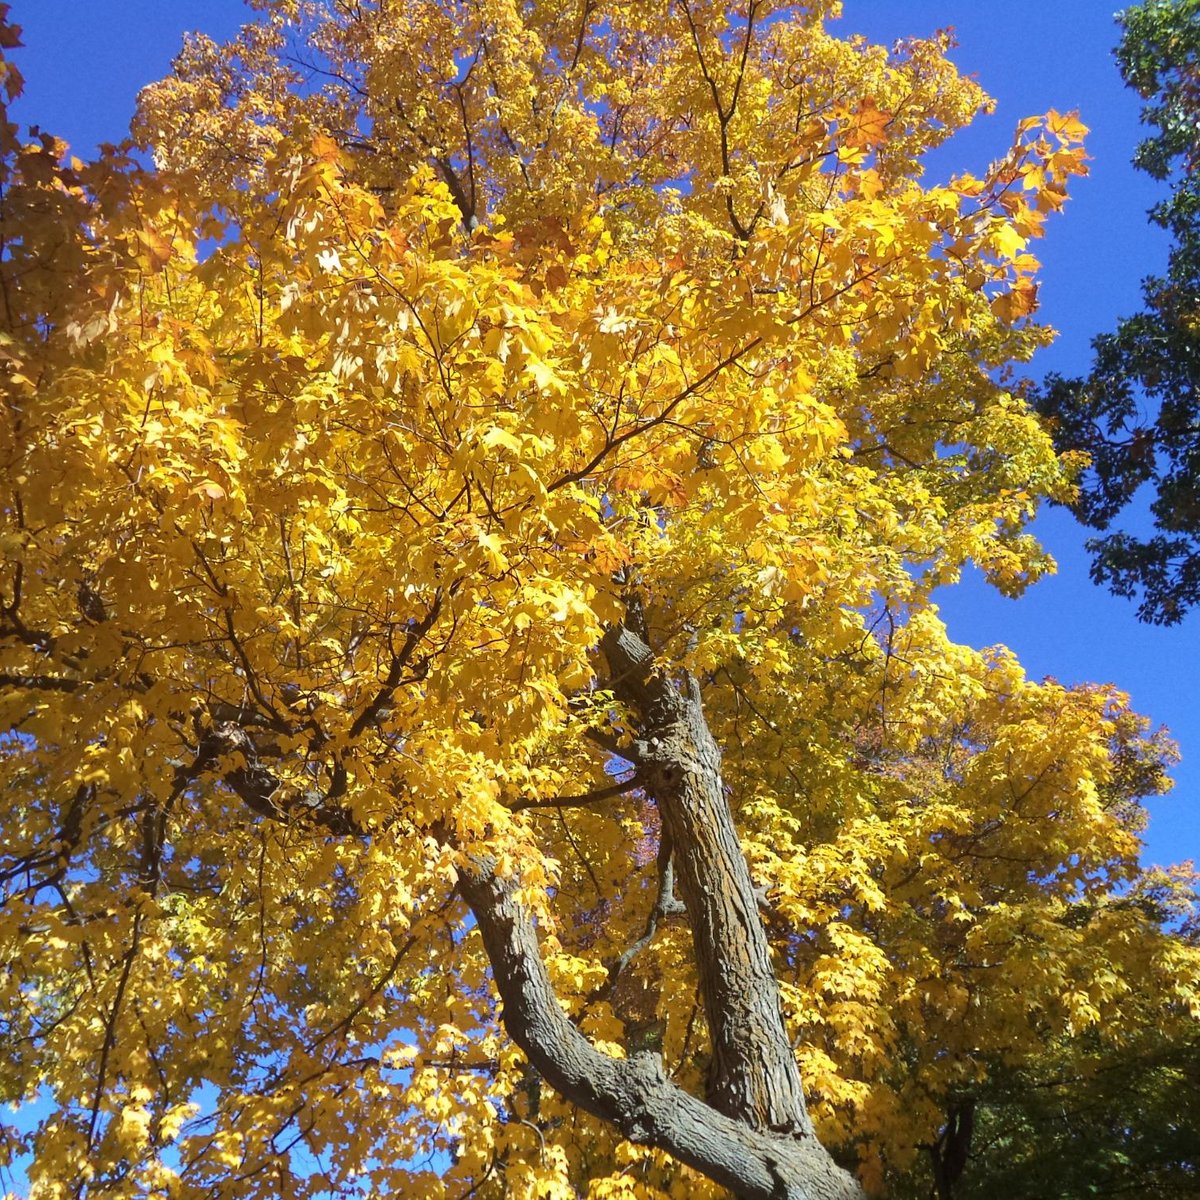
633, 1094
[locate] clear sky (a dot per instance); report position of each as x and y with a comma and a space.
86, 59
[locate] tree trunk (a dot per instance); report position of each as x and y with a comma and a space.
754, 1074
755, 1136
634, 1094
951, 1151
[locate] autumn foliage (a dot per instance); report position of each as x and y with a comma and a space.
441, 347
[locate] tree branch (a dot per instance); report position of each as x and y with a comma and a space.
413, 634
634, 1094
579, 800
666, 904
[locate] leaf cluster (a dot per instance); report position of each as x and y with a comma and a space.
441, 341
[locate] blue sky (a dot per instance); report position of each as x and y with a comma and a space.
86, 59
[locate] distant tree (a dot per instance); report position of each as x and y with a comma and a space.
1057, 1109
1137, 414
1086, 1125
1099, 1114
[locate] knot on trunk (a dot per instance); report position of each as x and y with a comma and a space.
665, 758
670, 756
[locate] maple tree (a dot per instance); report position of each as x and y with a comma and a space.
475, 720
1135, 413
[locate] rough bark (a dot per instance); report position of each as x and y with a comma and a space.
754, 1075
754, 1136
634, 1094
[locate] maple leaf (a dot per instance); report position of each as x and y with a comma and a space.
867, 126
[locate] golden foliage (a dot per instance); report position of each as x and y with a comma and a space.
331, 446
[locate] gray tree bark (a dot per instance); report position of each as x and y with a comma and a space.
634, 1094
754, 1076
754, 1134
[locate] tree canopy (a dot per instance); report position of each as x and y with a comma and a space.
1136, 414
473, 718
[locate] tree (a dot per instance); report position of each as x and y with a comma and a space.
1076, 1107
1136, 414
1101, 1125
471, 511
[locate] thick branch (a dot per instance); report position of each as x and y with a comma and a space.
754, 1074
259, 788
633, 1094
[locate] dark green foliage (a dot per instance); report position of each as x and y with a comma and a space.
1092, 1120
1126, 1127
1137, 413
